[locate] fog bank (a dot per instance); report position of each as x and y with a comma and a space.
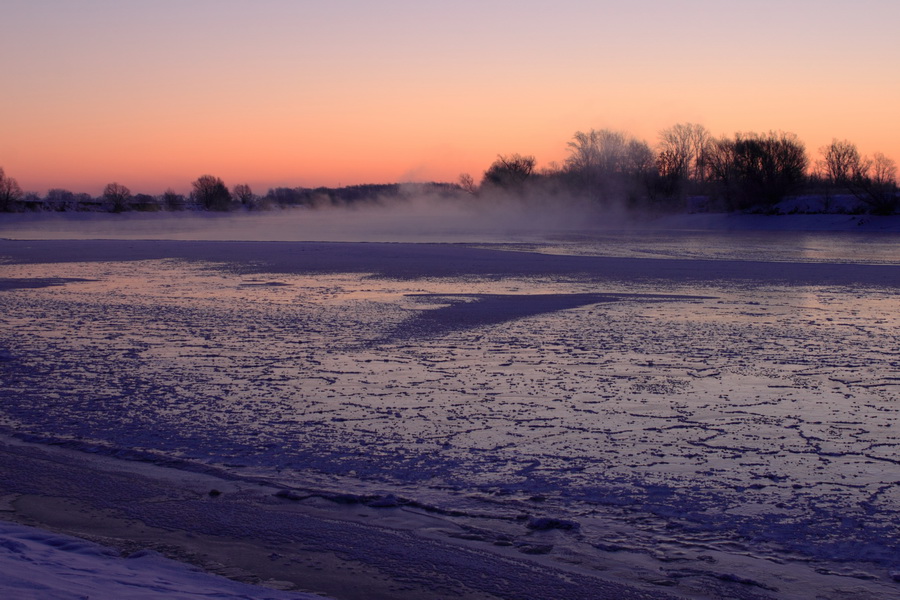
414, 219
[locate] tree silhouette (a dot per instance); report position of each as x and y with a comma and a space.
840, 162
605, 165
210, 192
873, 181
172, 201
882, 180
10, 192
117, 196
757, 170
467, 183
243, 194
683, 149
597, 153
884, 170
685, 145
509, 172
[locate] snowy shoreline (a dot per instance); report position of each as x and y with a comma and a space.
39, 565
243, 530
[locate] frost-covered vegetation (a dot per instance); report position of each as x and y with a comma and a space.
687, 170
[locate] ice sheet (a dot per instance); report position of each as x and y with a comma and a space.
716, 417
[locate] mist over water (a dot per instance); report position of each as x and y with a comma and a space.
530, 223
417, 218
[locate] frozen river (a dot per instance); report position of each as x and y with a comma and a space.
695, 406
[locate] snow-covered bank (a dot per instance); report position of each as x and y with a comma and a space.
250, 530
39, 565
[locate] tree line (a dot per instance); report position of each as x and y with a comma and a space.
687, 169
690, 169
208, 193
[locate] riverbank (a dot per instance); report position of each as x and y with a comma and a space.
249, 532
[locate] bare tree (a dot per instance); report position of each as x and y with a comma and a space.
604, 151
606, 165
584, 151
10, 192
117, 196
881, 185
682, 150
243, 194
873, 181
467, 183
756, 170
210, 192
172, 201
720, 159
884, 170
509, 171
639, 158
840, 162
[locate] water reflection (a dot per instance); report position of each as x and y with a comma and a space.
834, 247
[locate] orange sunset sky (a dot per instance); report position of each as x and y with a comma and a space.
154, 93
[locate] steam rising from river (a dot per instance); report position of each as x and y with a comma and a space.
409, 218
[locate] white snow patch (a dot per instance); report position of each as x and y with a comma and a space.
39, 565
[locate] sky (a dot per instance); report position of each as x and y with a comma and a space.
154, 93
